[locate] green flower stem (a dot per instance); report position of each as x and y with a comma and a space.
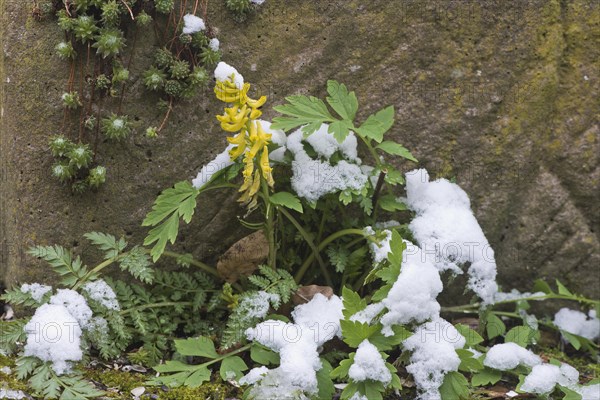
509, 315
224, 356
220, 186
467, 308
321, 227
206, 268
375, 156
360, 282
110, 261
156, 305
310, 243
554, 296
371, 150
269, 223
324, 244
196, 263
344, 280
376, 192
97, 269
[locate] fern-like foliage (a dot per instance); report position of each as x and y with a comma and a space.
279, 282
16, 297
150, 316
11, 334
108, 243
137, 262
46, 384
172, 204
182, 285
71, 269
274, 282
348, 262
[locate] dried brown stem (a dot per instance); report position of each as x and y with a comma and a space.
166, 118
205, 11
81, 81
66, 2
128, 9
378, 187
97, 131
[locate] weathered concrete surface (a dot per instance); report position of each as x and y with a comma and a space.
502, 96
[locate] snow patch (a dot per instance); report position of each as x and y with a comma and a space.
297, 344
577, 323
379, 251
35, 290
75, 305
516, 295
322, 316
257, 304
543, 378
254, 376
368, 364
508, 356
367, 315
192, 24
101, 292
54, 335
214, 44
412, 298
433, 355
315, 178
446, 228
221, 161
12, 394
224, 71
590, 392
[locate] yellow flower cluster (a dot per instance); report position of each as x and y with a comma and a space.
251, 140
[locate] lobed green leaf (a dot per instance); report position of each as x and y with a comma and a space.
377, 124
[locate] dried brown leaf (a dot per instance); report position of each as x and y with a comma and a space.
305, 293
244, 257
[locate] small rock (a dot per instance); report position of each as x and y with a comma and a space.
135, 368
138, 368
8, 313
138, 391
12, 394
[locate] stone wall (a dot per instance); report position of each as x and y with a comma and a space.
501, 96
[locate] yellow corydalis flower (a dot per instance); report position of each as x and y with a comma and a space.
251, 140
255, 141
234, 118
265, 166
229, 92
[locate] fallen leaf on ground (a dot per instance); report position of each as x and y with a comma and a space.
244, 257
